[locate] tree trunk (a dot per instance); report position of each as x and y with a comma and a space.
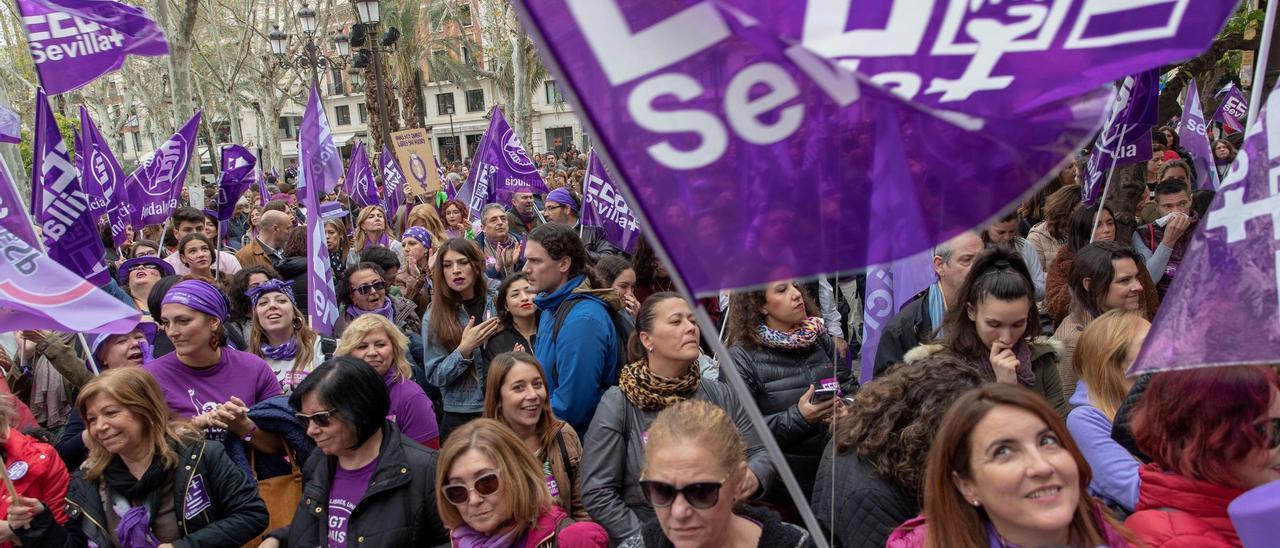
521, 103
180, 38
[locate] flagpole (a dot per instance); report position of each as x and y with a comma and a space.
1260, 65
1106, 188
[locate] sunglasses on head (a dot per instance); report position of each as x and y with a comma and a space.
322, 419
1271, 432
459, 493
375, 287
700, 495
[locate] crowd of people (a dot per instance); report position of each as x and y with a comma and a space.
518, 380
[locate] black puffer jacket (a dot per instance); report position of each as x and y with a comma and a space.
777, 378
399, 508
866, 507
906, 330
235, 515
294, 269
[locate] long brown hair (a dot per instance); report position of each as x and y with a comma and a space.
306, 337
548, 425
445, 302
139, 393
344, 243
745, 316
953, 521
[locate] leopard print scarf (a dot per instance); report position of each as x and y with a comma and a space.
651, 392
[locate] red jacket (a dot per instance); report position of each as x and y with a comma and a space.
1175, 512
37, 472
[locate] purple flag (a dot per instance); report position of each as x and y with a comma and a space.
317, 156
503, 165
392, 181
10, 126
1233, 108
239, 171
359, 183
1193, 134
75, 41
889, 288
439, 169
69, 233
157, 183
315, 138
263, 193
605, 207
1224, 306
102, 177
13, 217
37, 292
1126, 135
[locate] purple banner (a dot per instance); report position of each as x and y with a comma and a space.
318, 154
1126, 135
75, 41
13, 217
239, 171
359, 183
605, 207
157, 183
501, 166
102, 177
1224, 306
263, 193
392, 181
10, 126
1193, 134
1233, 108
69, 233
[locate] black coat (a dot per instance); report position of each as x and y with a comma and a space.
910, 327
236, 516
774, 533
868, 508
399, 508
295, 269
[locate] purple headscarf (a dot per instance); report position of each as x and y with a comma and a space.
200, 296
417, 233
271, 286
564, 197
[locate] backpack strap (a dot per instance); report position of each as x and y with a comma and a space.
564, 456
562, 314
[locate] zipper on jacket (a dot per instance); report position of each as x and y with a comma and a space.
89, 517
194, 470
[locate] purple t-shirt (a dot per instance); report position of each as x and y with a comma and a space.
411, 409
190, 392
347, 490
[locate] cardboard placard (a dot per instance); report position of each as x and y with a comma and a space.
417, 159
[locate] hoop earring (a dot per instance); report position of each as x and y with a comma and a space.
297, 323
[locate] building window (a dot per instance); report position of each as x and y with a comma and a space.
553, 93
289, 126
444, 103
137, 141
464, 15
475, 100
449, 148
337, 88
473, 143
342, 114
363, 112
466, 56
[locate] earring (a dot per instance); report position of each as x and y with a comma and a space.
975, 502
648, 349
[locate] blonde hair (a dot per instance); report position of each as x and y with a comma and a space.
139, 393
366, 324
425, 216
361, 239
1102, 354
696, 423
306, 337
519, 474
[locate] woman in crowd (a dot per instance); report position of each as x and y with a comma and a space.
109, 351
1003, 471
144, 248
1224, 153
376, 340
997, 328
414, 277
197, 253
255, 215
515, 394
518, 317
493, 492
1212, 434
1049, 235
616, 272
876, 479
339, 246
368, 484
694, 468
204, 380
280, 334
1031, 212
425, 216
148, 480
365, 290
457, 220
651, 275
138, 275
240, 315
665, 371
784, 354
371, 230
38, 476
1105, 351
1057, 301
1104, 276
457, 326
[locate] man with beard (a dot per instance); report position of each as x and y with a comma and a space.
1163, 242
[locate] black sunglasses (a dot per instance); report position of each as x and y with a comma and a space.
322, 419
459, 493
700, 495
1271, 432
370, 288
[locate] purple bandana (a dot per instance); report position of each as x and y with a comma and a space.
135, 528
418, 233
200, 296
283, 352
271, 286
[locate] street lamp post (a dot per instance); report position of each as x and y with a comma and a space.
457, 147
311, 61
368, 13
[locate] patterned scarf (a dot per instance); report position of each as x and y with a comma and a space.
803, 336
466, 537
1026, 376
386, 309
651, 392
283, 352
338, 261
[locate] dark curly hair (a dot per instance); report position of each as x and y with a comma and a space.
560, 241
241, 308
745, 316
894, 418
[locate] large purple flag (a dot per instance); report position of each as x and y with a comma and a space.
756, 115
75, 41
1233, 108
1126, 135
392, 181
102, 177
359, 183
69, 233
157, 183
10, 126
503, 165
316, 156
239, 171
889, 288
605, 207
13, 217
1224, 306
1193, 134
326, 164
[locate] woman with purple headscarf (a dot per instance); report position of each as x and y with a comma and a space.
281, 336
414, 279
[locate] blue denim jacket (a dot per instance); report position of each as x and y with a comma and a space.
462, 390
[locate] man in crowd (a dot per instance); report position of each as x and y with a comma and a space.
503, 251
189, 220
562, 208
522, 217
1162, 244
265, 250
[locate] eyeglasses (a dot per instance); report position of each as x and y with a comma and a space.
701, 495
553, 207
459, 493
1271, 431
147, 266
322, 419
375, 287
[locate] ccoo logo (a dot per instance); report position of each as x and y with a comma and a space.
161, 170
515, 155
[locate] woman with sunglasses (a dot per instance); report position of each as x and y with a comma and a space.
1212, 434
365, 290
281, 336
375, 340
138, 275
493, 492
694, 465
367, 484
